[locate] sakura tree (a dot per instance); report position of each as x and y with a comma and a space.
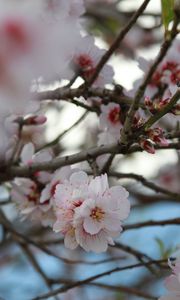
69, 128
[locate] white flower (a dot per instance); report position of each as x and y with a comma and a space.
25, 194
69, 195
93, 242
100, 215
110, 117
88, 212
166, 75
57, 178
86, 57
28, 156
110, 123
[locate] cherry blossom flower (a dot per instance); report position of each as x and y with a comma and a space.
28, 156
57, 178
68, 196
110, 117
88, 212
110, 123
25, 194
99, 217
167, 75
86, 57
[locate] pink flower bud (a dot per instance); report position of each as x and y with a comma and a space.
156, 135
163, 103
148, 102
161, 141
176, 110
152, 106
35, 120
147, 146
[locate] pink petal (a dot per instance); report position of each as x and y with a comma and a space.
172, 283
92, 226
70, 240
112, 222
99, 185
79, 178
27, 153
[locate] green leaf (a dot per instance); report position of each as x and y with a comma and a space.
164, 252
160, 245
167, 12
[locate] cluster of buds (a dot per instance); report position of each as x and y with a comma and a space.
158, 105
167, 73
154, 136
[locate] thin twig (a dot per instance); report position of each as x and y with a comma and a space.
175, 221
92, 278
146, 183
126, 131
116, 43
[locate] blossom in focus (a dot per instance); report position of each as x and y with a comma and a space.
88, 212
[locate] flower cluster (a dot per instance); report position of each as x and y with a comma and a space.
167, 75
85, 211
88, 212
158, 104
34, 42
154, 136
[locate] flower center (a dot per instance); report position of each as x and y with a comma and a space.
53, 188
97, 214
85, 65
84, 61
114, 115
33, 195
